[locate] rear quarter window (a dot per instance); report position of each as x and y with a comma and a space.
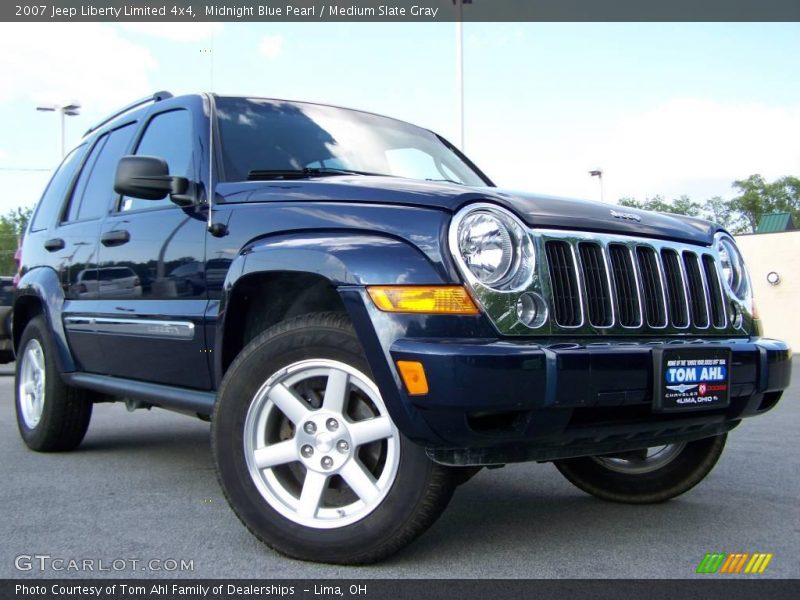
50, 204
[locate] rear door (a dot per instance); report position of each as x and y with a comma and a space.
73, 243
150, 313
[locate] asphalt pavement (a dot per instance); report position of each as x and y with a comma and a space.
142, 487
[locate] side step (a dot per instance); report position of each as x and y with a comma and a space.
164, 396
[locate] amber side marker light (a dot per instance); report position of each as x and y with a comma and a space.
442, 300
413, 374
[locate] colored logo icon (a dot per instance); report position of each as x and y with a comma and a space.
735, 563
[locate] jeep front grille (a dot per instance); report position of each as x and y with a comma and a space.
632, 283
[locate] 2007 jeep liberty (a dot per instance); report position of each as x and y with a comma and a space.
367, 320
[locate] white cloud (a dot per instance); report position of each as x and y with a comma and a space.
271, 46
683, 146
175, 32
60, 62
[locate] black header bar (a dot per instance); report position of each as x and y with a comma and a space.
400, 10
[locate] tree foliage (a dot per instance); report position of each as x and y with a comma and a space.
12, 226
740, 214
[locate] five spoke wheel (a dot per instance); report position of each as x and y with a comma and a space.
320, 445
31, 383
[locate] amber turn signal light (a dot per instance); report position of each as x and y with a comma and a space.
413, 375
445, 300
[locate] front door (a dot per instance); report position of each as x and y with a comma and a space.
152, 296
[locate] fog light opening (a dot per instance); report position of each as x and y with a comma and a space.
531, 310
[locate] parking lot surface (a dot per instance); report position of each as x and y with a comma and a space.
142, 487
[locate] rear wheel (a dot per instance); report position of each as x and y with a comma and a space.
51, 416
645, 476
307, 452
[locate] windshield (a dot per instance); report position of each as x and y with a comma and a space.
261, 136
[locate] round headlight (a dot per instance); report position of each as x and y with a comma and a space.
487, 247
733, 270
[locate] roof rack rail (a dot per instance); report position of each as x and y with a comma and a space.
157, 97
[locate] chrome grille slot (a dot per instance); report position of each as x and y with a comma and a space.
655, 310
696, 287
564, 281
632, 285
596, 280
676, 291
718, 316
625, 286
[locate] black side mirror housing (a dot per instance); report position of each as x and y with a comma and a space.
148, 178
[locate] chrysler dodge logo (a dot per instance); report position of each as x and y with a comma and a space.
626, 215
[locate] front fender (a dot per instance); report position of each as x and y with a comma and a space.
348, 260
344, 258
42, 285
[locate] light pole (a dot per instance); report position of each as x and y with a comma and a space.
460, 68
68, 110
599, 174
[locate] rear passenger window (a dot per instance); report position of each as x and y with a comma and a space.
53, 196
95, 187
168, 136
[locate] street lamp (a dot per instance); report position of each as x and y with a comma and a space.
460, 68
599, 174
68, 110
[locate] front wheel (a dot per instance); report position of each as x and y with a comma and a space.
645, 476
307, 452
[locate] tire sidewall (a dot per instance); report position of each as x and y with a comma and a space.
265, 356
686, 470
37, 330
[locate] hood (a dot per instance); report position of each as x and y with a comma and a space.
548, 212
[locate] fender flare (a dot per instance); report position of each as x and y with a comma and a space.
345, 258
348, 260
43, 284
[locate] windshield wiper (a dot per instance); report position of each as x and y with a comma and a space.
270, 174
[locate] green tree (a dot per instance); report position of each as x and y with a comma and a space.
757, 198
679, 206
12, 226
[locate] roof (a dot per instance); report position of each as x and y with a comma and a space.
774, 222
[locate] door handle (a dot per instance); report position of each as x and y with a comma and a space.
115, 237
54, 244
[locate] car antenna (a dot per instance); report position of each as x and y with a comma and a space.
215, 229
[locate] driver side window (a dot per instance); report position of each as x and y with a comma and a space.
168, 136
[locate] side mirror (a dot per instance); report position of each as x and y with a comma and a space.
148, 178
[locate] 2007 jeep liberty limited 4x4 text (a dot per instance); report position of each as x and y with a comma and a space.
367, 320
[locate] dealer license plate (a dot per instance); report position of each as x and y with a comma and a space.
691, 379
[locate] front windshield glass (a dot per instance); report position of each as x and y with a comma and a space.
272, 135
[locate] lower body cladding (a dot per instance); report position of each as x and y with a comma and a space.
491, 401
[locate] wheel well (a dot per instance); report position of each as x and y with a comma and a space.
262, 300
25, 309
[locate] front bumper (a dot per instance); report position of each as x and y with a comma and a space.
493, 401
502, 401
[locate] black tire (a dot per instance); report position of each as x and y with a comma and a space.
688, 468
66, 411
418, 495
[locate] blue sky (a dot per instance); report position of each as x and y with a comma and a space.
661, 108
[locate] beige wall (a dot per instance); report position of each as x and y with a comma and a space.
778, 305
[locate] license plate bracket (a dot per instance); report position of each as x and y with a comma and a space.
688, 379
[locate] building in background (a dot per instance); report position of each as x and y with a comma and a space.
774, 263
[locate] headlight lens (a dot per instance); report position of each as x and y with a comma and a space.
486, 246
495, 248
734, 273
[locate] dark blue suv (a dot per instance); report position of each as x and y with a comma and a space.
367, 321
